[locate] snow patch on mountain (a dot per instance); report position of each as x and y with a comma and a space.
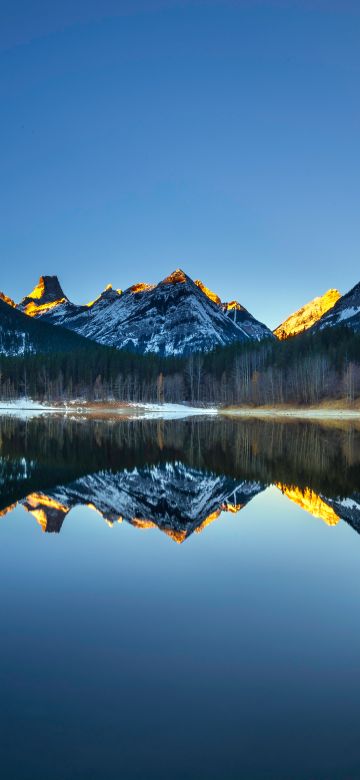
345, 312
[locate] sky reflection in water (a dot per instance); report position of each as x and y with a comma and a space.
233, 654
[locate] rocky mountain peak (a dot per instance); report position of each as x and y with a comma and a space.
47, 294
177, 277
47, 290
308, 315
141, 287
108, 295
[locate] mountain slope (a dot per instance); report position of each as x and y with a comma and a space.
238, 315
345, 312
21, 335
174, 317
307, 316
5, 298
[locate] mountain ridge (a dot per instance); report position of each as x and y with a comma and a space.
346, 311
177, 316
305, 317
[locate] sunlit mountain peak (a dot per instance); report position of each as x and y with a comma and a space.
141, 287
177, 277
48, 287
7, 300
227, 306
107, 293
234, 305
46, 295
311, 502
209, 293
45, 509
308, 315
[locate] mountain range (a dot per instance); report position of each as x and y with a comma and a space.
177, 316
171, 496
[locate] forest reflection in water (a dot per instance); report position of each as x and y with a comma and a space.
175, 475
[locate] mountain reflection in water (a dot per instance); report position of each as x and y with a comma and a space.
177, 476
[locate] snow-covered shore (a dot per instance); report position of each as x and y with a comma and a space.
25, 407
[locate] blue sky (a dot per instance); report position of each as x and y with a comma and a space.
222, 137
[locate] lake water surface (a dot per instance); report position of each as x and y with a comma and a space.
179, 600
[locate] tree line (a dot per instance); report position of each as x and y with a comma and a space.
305, 369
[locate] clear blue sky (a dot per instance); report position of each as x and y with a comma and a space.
222, 137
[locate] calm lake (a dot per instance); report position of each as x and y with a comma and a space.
179, 600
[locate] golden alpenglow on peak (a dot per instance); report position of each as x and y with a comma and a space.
233, 508
32, 309
47, 294
177, 277
40, 506
141, 287
216, 298
108, 288
234, 305
39, 289
310, 502
209, 293
7, 300
305, 317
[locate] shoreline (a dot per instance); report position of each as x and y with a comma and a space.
27, 408
175, 411
317, 413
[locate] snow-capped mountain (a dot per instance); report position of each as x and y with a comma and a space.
346, 311
307, 316
175, 317
173, 497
